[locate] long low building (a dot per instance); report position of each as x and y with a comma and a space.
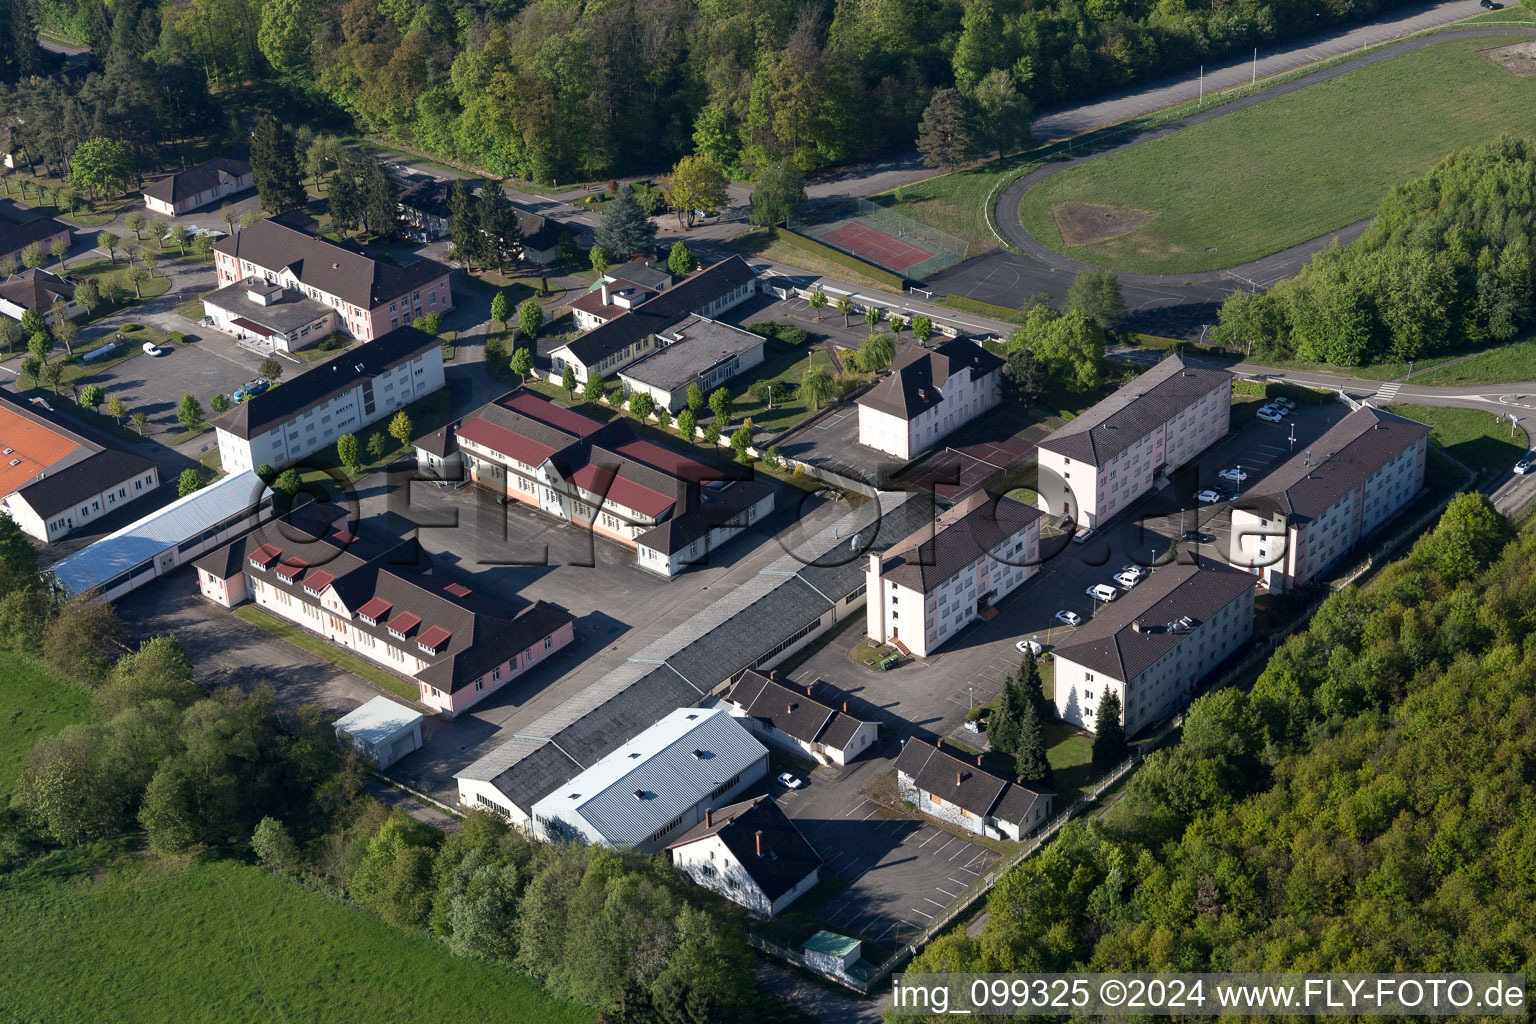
167, 538
943, 785
199, 186
1153, 645
657, 785
1097, 465
791, 720
699, 351
1316, 507
771, 615
384, 602
951, 573
309, 412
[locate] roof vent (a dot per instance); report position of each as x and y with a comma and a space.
698, 755
639, 794
335, 266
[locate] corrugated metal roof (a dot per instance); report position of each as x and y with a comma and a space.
378, 721
138, 542
661, 773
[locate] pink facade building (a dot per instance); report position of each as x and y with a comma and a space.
370, 297
385, 603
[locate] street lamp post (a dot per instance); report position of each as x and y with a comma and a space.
972, 689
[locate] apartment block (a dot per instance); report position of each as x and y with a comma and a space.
929, 394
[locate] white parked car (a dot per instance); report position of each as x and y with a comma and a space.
1068, 618
151, 350
1207, 497
1081, 536
1136, 570
1101, 592
1270, 415
1029, 647
1235, 476
1525, 465
790, 781
1127, 580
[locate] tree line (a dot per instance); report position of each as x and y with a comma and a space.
1446, 265
556, 92
228, 773
1364, 806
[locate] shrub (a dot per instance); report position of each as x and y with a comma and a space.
329, 343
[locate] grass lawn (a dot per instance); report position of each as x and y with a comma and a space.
192, 309
757, 243
1508, 364
1071, 757
325, 652
187, 435
102, 934
781, 362
33, 704
1476, 438
1389, 370
1256, 181
213, 462
955, 203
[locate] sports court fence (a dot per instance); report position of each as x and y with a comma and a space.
858, 227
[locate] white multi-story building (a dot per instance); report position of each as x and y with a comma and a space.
1099, 463
929, 393
751, 853
946, 575
1154, 644
1311, 511
343, 396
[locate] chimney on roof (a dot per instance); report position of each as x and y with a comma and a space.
790, 709
1138, 626
709, 817
773, 674
759, 837
605, 291
845, 707
959, 778
978, 760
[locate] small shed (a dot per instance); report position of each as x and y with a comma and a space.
382, 729
831, 953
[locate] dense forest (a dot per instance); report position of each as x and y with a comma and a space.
1447, 265
1367, 806
564, 89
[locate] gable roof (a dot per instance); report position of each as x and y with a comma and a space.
1134, 411
666, 308
786, 857
792, 712
186, 184
1314, 479
255, 416
56, 492
918, 375
934, 554
275, 244
37, 439
36, 289
21, 232
1112, 644
968, 786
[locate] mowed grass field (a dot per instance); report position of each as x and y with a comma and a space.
1259, 180
99, 934
1475, 438
33, 704
1508, 364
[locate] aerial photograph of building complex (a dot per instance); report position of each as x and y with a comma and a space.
767, 512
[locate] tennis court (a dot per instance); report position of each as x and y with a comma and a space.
861, 240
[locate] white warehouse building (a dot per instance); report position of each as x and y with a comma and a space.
308, 413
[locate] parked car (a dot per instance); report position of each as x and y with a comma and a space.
1127, 580
252, 388
1235, 476
1525, 465
1491, 5
150, 349
789, 781
1207, 497
1102, 592
1068, 618
1285, 403
1270, 416
1081, 536
1198, 537
1029, 647
1136, 570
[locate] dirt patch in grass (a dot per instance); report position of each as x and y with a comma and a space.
1089, 223
1518, 60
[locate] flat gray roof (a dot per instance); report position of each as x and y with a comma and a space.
702, 343
289, 313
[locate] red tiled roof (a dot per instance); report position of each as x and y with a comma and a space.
374, 608
404, 622
675, 463
539, 408
434, 638
621, 491
318, 580
457, 590
265, 555
288, 572
507, 442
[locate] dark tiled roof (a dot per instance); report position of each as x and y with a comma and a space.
432, 197
36, 289
275, 244
188, 183
789, 711
652, 277
66, 488
255, 416
786, 858
917, 377
976, 525
965, 784
1134, 411
1311, 481
718, 508
442, 442
1110, 642
667, 308
18, 234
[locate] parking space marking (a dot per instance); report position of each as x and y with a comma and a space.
916, 911
946, 892
930, 839
957, 881
944, 847
958, 853
888, 927
871, 814
935, 902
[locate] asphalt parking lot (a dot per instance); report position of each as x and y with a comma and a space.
900, 873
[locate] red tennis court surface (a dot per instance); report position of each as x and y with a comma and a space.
876, 246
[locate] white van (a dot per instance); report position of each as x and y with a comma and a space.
1102, 592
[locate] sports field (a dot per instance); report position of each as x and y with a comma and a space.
1259, 180
866, 240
